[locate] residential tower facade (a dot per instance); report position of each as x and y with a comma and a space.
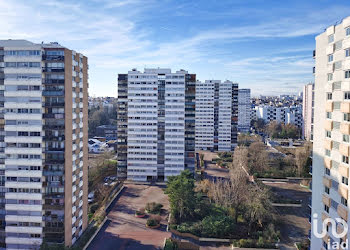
308, 111
331, 148
216, 115
156, 124
244, 110
43, 161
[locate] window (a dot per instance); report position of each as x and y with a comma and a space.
330, 38
347, 117
336, 105
330, 76
344, 201
328, 134
327, 152
329, 96
347, 31
336, 85
344, 180
347, 52
338, 45
337, 65
326, 208
345, 138
330, 58
345, 159
329, 115
347, 96
347, 74
327, 171
326, 189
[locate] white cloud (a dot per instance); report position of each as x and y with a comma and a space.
111, 33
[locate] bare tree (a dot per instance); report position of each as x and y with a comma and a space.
240, 158
258, 157
231, 193
302, 155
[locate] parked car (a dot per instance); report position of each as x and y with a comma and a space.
91, 197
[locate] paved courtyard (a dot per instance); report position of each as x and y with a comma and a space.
123, 230
294, 225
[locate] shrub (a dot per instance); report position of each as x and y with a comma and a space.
153, 207
141, 211
192, 228
218, 226
170, 245
152, 222
246, 243
158, 218
93, 208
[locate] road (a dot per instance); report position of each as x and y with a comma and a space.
123, 230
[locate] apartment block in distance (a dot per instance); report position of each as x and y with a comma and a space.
286, 115
156, 124
244, 110
43, 144
308, 111
331, 142
216, 115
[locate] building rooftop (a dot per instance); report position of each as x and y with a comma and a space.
26, 43
16, 43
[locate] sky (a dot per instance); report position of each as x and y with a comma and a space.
265, 45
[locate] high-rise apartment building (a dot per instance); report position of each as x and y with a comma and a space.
156, 124
216, 115
244, 110
43, 144
331, 148
308, 111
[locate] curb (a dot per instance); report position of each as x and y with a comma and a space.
105, 219
112, 200
94, 235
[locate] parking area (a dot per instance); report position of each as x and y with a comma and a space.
294, 224
123, 230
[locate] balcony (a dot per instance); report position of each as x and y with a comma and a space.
345, 128
53, 81
344, 170
54, 149
344, 149
53, 126
53, 138
53, 104
52, 58
329, 106
328, 125
328, 143
342, 212
54, 161
53, 69
53, 93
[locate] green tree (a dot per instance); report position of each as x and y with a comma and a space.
258, 208
182, 197
217, 226
259, 124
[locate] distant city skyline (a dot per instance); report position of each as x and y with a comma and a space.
266, 46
